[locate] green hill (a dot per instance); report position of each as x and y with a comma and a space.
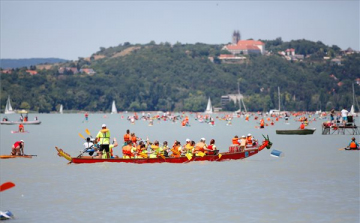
181, 77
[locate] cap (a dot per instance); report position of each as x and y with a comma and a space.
187, 140
103, 125
243, 136
21, 140
203, 139
249, 134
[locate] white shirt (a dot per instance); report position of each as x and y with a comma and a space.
344, 113
88, 145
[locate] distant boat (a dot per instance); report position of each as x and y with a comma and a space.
61, 109
209, 109
8, 108
296, 132
113, 108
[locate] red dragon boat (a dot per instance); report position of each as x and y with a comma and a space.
183, 159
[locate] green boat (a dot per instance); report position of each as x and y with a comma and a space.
296, 132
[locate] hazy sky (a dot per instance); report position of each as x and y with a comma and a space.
72, 29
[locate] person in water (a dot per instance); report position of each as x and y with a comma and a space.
353, 144
18, 148
103, 138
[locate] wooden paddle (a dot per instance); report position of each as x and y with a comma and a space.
6, 186
342, 148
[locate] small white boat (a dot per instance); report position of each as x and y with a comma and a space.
113, 108
8, 108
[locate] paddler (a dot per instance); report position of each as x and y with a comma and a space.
210, 150
242, 143
235, 140
127, 137
302, 125
128, 151
103, 138
18, 148
353, 144
249, 139
21, 128
200, 146
176, 149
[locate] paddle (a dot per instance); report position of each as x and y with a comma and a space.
87, 132
81, 136
6, 186
342, 148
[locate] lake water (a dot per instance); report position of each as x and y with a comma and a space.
313, 182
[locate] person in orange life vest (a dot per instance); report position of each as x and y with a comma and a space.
235, 140
353, 144
134, 139
176, 149
210, 150
200, 146
18, 148
249, 139
262, 123
127, 137
302, 125
21, 128
127, 151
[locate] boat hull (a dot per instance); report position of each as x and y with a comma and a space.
183, 159
296, 132
18, 122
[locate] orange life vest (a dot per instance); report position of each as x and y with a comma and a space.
249, 140
302, 126
235, 141
262, 122
353, 145
126, 138
133, 139
127, 150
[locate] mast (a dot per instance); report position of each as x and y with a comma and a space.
279, 97
239, 96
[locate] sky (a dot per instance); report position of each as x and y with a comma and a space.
72, 29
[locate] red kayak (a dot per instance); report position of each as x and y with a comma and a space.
183, 159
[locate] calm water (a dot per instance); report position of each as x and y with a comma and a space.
313, 182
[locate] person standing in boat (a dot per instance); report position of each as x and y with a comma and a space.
332, 115
344, 114
18, 148
262, 123
127, 137
353, 144
103, 138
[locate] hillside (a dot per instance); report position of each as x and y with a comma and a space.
181, 77
17, 63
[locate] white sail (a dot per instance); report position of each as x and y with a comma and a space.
113, 108
61, 109
352, 111
8, 108
209, 109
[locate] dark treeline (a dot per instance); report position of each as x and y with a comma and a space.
181, 77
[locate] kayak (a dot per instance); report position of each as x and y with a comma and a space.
19, 132
37, 122
225, 156
296, 132
12, 156
6, 215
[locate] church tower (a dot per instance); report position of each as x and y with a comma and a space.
236, 37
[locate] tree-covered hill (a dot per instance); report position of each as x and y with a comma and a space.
181, 77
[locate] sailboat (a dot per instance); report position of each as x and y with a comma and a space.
61, 109
241, 101
113, 108
8, 108
209, 109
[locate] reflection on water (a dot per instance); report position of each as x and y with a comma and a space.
313, 182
